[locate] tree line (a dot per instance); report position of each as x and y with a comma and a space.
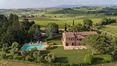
13, 30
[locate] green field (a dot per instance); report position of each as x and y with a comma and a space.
56, 41
70, 56
106, 64
69, 20
67, 56
111, 28
61, 21
17, 63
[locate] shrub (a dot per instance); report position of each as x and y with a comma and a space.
65, 64
20, 58
56, 64
27, 58
107, 58
74, 65
88, 59
50, 58
3, 56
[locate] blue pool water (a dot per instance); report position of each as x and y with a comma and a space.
28, 47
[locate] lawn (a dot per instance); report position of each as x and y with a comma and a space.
67, 56
56, 41
70, 56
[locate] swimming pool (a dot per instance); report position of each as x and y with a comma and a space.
28, 47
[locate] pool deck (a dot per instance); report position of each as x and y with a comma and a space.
37, 43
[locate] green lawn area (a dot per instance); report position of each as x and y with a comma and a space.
111, 28
56, 41
70, 56
67, 56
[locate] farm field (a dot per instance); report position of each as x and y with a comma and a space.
69, 20
111, 28
78, 19
62, 21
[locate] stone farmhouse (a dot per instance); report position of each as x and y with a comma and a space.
71, 40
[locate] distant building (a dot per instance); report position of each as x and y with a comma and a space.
71, 40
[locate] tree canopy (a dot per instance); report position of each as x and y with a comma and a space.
12, 30
52, 30
85, 26
101, 44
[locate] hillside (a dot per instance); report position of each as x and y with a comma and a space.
13, 63
88, 10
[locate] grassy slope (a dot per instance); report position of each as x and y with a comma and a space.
111, 28
14, 63
62, 21
107, 64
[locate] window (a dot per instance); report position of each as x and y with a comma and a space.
69, 39
72, 44
67, 44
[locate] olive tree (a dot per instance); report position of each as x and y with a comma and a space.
50, 58
87, 24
